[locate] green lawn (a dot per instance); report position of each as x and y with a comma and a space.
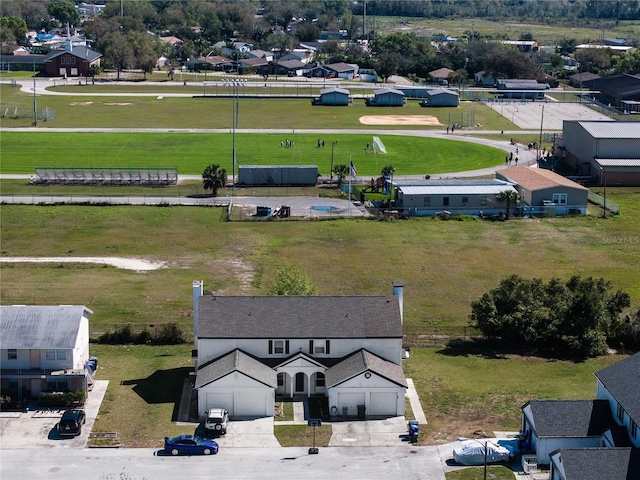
192, 152
477, 473
128, 112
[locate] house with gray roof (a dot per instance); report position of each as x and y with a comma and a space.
43, 349
248, 350
578, 438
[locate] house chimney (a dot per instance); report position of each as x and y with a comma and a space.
398, 291
197, 293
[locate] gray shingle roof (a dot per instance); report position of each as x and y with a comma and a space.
299, 317
571, 418
236, 361
363, 361
31, 327
601, 463
622, 380
386, 91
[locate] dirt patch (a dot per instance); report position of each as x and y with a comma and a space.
82, 104
117, 103
399, 120
137, 264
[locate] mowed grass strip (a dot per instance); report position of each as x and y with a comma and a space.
192, 152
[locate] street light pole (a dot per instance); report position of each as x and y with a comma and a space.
333, 144
604, 181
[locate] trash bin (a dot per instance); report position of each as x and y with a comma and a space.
345, 413
414, 428
361, 411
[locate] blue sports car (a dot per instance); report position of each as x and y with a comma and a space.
189, 444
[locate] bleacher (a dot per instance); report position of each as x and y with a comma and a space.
151, 176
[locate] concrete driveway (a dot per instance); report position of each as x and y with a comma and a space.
247, 432
37, 428
370, 433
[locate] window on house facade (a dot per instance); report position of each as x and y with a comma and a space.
620, 413
281, 380
634, 430
483, 199
465, 201
445, 201
320, 381
560, 198
319, 347
278, 347
55, 354
427, 201
12, 354
57, 385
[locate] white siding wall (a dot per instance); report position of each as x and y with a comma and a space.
547, 445
603, 394
359, 389
389, 349
234, 387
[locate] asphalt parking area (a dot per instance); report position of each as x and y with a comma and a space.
37, 428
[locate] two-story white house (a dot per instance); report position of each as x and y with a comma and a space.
43, 348
250, 349
590, 439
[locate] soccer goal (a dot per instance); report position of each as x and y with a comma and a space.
378, 146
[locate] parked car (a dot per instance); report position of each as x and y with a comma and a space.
189, 445
472, 452
71, 422
217, 421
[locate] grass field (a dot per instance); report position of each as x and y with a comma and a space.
126, 111
446, 264
192, 152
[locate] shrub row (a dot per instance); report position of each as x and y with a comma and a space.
168, 334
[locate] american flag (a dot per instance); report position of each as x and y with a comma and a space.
352, 168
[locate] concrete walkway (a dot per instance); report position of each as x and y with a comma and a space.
418, 413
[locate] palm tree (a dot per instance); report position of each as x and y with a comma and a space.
214, 178
509, 196
341, 171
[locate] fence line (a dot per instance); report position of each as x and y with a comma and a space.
599, 200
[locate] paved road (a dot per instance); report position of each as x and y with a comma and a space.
347, 463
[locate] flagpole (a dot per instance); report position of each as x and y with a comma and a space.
350, 175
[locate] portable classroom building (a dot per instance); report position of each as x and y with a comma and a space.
277, 174
387, 97
334, 96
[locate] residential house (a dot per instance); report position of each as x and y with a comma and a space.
386, 97
292, 68
608, 152
590, 439
368, 74
577, 80
343, 70
333, 96
441, 75
316, 71
457, 196
441, 97
43, 349
543, 192
524, 46
348, 349
484, 79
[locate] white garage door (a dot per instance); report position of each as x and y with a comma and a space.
220, 400
251, 405
351, 400
383, 403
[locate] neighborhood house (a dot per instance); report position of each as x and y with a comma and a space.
44, 349
347, 349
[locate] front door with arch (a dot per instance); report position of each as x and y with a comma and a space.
300, 382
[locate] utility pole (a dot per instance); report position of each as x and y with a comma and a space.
35, 107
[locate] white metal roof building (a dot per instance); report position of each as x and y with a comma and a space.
606, 150
468, 197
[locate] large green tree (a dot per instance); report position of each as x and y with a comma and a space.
64, 11
580, 316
